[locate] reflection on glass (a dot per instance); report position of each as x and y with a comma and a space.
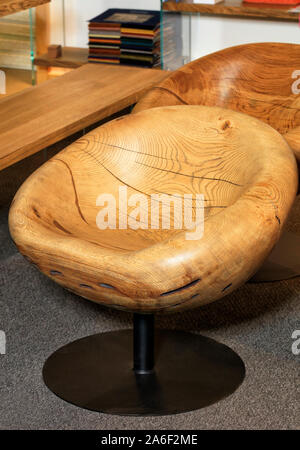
17, 40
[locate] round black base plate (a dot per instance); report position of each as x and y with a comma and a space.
191, 372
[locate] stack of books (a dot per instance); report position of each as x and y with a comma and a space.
125, 36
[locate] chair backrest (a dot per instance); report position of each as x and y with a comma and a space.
262, 80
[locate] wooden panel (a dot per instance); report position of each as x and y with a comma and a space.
42, 115
13, 6
234, 8
72, 57
42, 38
42, 29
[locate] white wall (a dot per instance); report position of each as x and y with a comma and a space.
209, 33
78, 12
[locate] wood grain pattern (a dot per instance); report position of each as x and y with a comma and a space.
13, 6
220, 153
255, 79
14, 176
234, 8
72, 58
42, 28
40, 116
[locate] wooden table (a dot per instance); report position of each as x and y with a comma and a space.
234, 8
43, 115
13, 6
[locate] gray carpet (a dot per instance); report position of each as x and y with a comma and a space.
38, 316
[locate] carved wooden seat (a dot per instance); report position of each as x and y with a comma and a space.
54, 221
262, 80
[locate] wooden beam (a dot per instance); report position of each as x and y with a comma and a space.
13, 6
234, 8
42, 38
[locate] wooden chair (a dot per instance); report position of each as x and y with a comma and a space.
262, 80
69, 219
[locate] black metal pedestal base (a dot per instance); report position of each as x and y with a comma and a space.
97, 373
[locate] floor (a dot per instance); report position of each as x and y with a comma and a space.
38, 316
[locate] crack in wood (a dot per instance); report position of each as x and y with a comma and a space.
135, 189
74, 187
191, 176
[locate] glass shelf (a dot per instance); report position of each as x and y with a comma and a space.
175, 39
